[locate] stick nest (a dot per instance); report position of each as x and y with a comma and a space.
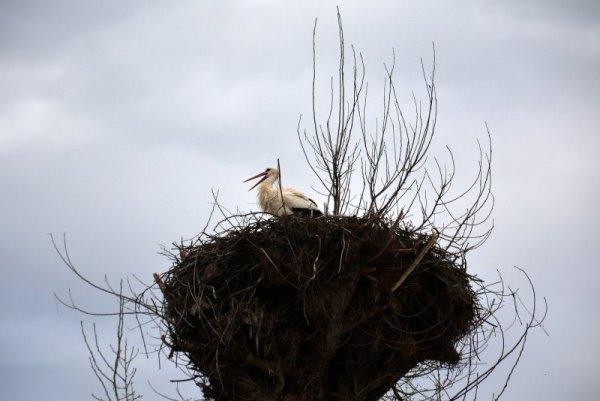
305, 309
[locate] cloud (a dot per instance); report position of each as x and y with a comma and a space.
117, 119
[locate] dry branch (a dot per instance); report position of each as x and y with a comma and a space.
301, 308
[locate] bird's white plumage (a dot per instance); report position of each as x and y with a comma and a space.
282, 202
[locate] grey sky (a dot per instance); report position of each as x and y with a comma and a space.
117, 118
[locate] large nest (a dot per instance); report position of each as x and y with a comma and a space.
334, 308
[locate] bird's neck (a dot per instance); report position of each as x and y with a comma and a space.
268, 183
266, 188
267, 192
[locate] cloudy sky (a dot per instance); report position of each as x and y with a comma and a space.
118, 118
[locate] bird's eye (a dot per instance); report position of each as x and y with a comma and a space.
267, 170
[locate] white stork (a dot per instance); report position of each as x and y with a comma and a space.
285, 202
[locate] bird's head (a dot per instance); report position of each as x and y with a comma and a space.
270, 173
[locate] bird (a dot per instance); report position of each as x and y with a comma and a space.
284, 202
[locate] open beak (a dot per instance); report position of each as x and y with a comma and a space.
263, 175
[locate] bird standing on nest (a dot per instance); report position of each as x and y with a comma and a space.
284, 201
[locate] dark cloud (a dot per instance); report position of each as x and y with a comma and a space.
38, 29
579, 12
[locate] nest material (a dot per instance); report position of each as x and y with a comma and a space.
310, 309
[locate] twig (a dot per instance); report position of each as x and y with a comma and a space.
415, 263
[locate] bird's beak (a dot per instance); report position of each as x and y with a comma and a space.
263, 175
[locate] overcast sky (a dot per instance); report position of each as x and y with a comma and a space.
118, 117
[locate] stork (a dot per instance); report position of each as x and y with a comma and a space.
282, 202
